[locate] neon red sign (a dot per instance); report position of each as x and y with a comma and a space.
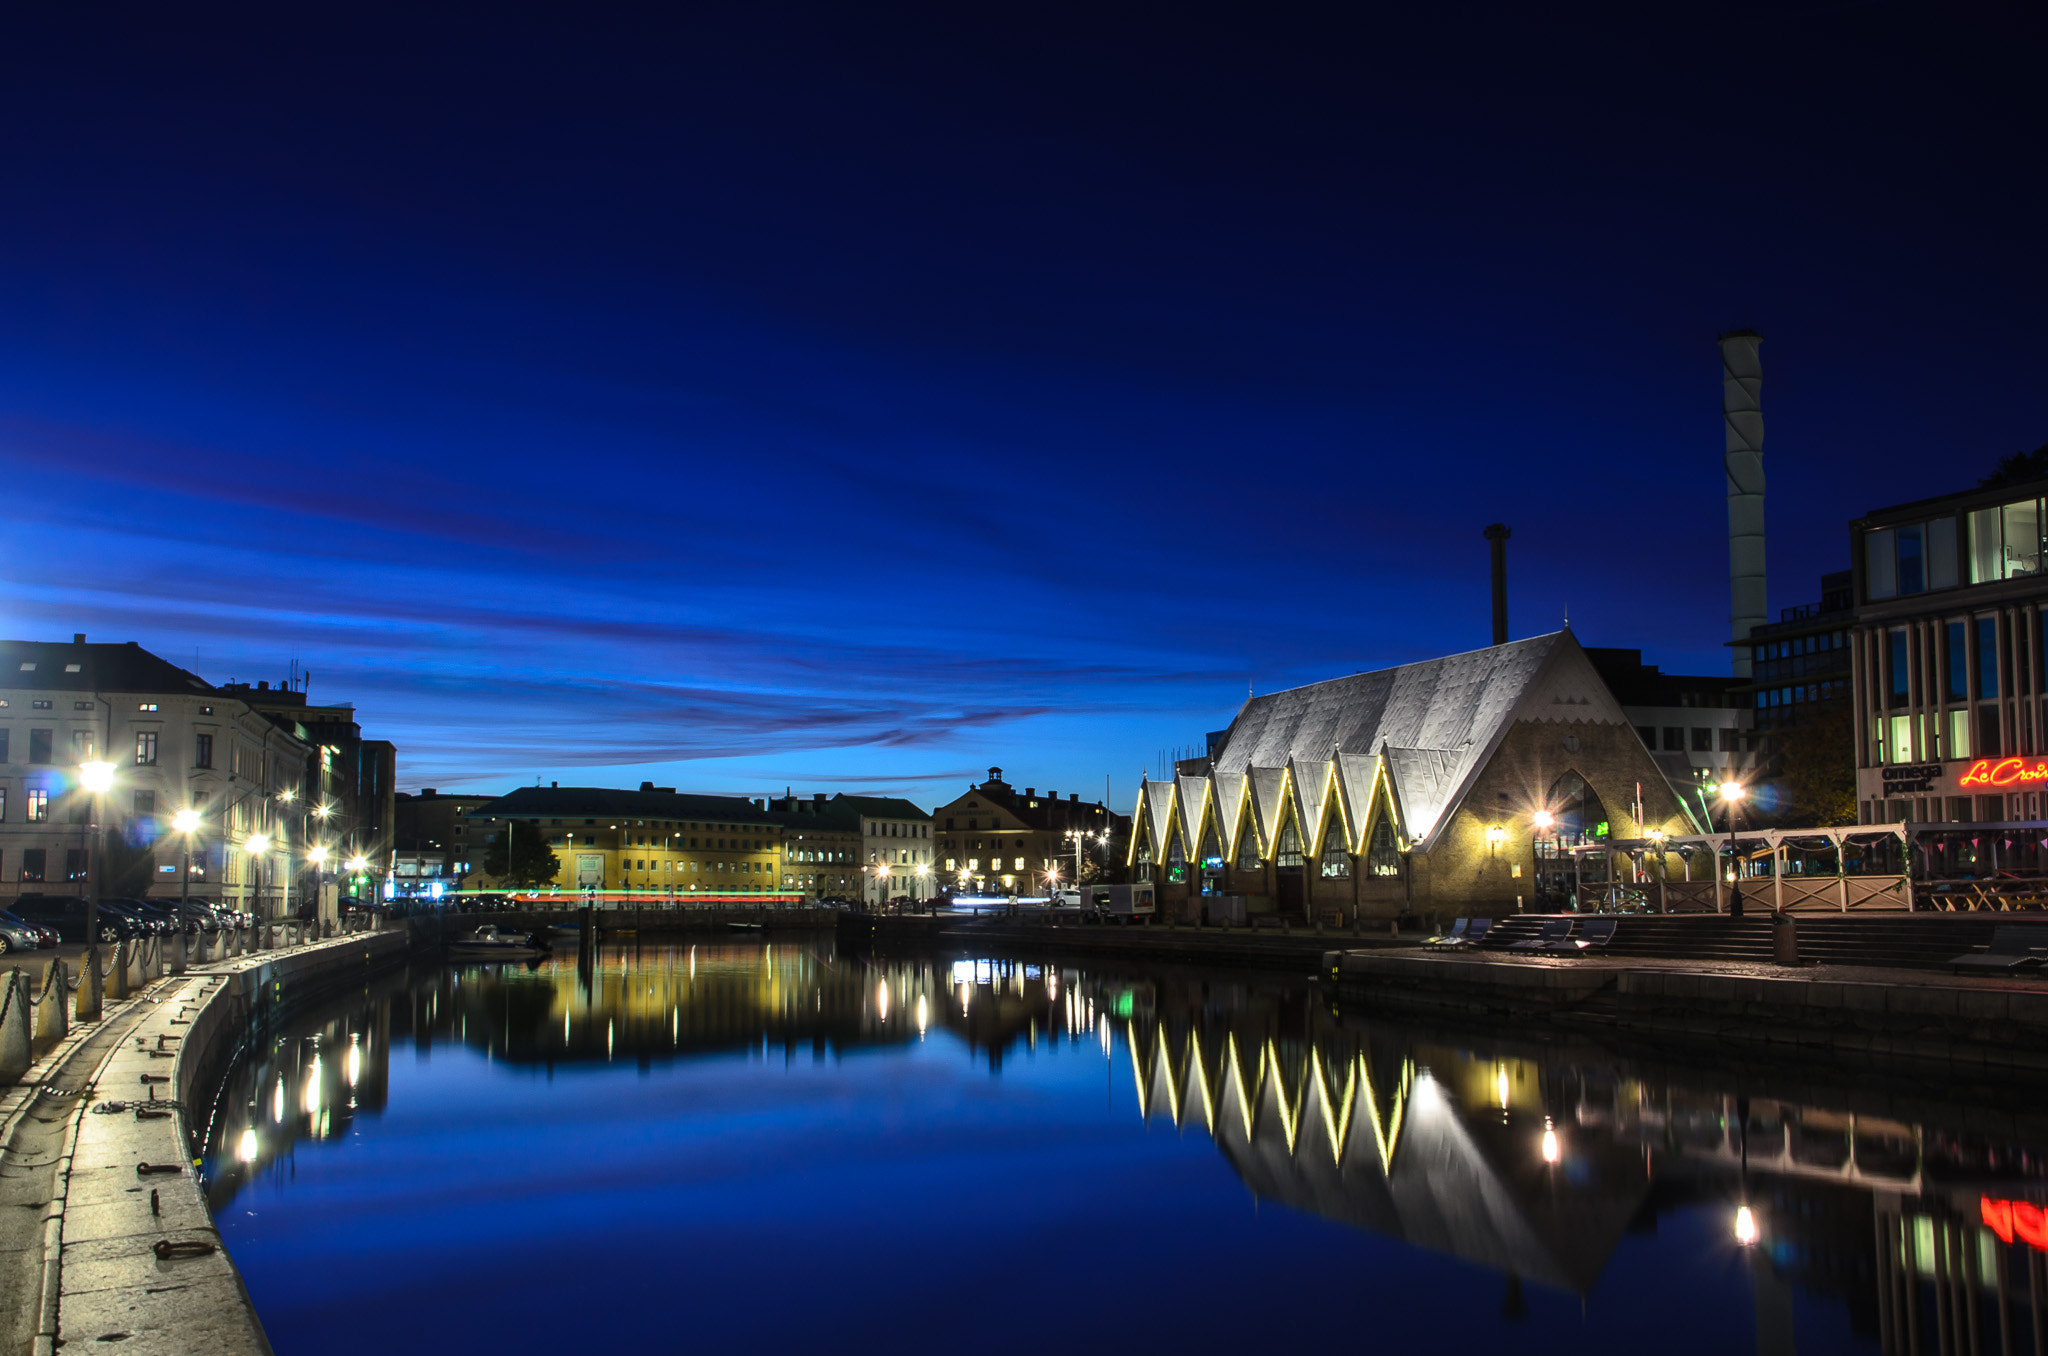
2010, 1218
2005, 772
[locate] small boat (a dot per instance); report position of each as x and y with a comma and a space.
489, 940
743, 927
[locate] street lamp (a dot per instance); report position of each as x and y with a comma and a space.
186, 822
96, 777
1731, 794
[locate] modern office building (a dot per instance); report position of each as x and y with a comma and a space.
1455, 784
1800, 662
994, 837
651, 842
1947, 657
177, 743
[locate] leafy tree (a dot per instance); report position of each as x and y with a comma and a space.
130, 867
2018, 469
1817, 766
525, 860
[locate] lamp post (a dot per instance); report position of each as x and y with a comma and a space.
96, 777
1542, 820
257, 846
1731, 796
186, 822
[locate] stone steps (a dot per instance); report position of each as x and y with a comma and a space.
1909, 941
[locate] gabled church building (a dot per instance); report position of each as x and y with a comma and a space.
1459, 785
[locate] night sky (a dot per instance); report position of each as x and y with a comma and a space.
853, 397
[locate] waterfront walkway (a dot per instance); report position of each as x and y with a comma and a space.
110, 1241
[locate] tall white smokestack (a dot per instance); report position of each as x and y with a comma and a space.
1742, 381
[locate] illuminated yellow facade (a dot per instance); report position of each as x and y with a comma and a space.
650, 843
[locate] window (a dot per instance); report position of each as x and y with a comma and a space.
1880, 565
43, 704
145, 802
1901, 675
1988, 745
1248, 848
38, 806
1336, 861
1899, 745
40, 744
74, 863
1020, 861
1987, 658
32, 864
81, 706
81, 746
1674, 739
1957, 663
146, 706
1381, 857
145, 749
1702, 739
1288, 856
1958, 734
1727, 739
3, 804
3, 744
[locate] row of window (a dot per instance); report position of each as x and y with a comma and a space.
694, 868
35, 864
42, 748
885, 830
994, 864
1702, 738
1970, 660
2003, 542
1802, 692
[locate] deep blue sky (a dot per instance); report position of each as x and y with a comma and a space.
856, 396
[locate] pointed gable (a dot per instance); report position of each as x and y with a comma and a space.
1269, 804
1191, 799
1357, 774
1229, 803
1158, 809
1311, 781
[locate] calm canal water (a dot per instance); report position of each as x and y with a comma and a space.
771, 1145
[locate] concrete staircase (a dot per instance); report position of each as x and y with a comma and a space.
1919, 941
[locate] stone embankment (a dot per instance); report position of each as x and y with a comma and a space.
1962, 1025
96, 1135
1297, 949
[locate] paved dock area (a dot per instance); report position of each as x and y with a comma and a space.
1965, 1023
110, 1241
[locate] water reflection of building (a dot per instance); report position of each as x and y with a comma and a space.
1538, 1162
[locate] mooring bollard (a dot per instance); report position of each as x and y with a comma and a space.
15, 1052
89, 990
116, 979
138, 965
52, 1011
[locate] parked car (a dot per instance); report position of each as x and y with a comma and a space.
66, 913
151, 917
46, 936
16, 935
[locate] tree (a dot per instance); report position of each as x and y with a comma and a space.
130, 867
2018, 469
1817, 765
531, 861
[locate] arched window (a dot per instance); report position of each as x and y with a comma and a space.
1142, 860
1577, 816
1176, 861
1382, 856
1248, 846
1288, 857
1336, 861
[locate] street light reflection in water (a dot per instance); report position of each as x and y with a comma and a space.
690, 1133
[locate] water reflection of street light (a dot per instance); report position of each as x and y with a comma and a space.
1745, 1226
1551, 1153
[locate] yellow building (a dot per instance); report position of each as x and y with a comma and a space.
652, 844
